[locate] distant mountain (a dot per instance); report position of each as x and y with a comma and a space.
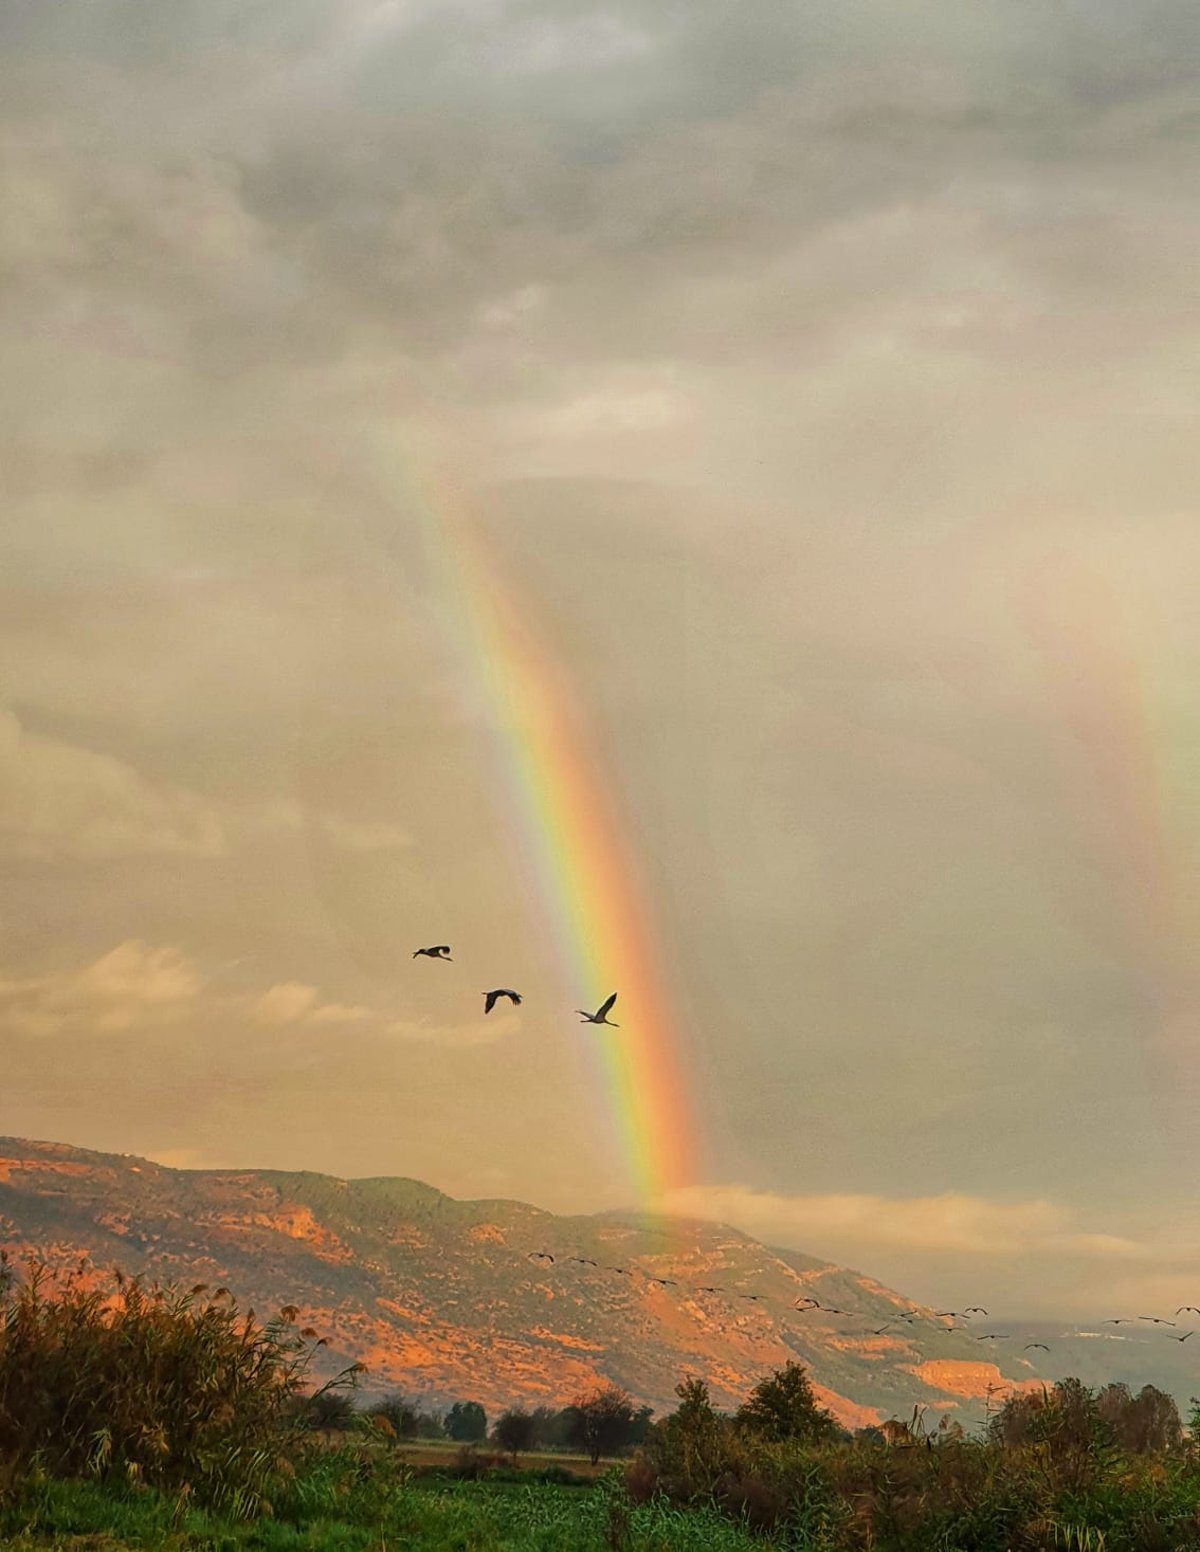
441, 1299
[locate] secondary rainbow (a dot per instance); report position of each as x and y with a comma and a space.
568, 834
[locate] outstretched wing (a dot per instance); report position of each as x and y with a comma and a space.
516, 996
489, 1001
603, 1010
440, 948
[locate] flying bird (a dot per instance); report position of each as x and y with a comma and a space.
438, 951
665, 1282
993, 1336
1042, 1345
1156, 1320
709, 1288
879, 1330
583, 1261
807, 1303
974, 1309
601, 1014
491, 998
541, 1255
953, 1315
1182, 1338
1124, 1320
1189, 1308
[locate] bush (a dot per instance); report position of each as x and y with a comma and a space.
147, 1384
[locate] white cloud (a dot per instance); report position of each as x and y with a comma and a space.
133, 986
283, 1004
61, 801
484, 1033
364, 835
952, 1221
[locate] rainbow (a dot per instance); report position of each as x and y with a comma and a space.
568, 834
1106, 693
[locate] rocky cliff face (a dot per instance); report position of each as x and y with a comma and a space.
496, 1300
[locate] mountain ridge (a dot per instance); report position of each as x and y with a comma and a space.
493, 1299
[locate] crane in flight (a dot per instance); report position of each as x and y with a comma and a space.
601, 1014
491, 998
438, 951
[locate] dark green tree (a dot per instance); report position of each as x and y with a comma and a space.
514, 1431
783, 1406
466, 1422
602, 1422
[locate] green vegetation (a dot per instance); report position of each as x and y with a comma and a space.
142, 1417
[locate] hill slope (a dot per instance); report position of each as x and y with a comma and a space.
440, 1298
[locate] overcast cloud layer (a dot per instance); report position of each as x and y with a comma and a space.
824, 376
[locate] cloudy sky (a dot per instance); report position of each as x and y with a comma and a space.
824, 377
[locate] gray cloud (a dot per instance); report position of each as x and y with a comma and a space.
801, 369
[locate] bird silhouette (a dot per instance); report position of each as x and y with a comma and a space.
879, 1330
583, 1261
1182, 1338
1124, 1320
1042, 1345
491, 998
993, 1336
807, 1303
601, 1014
541, 1255
1156, 1320
974, 1309
953, 1315
665, 1282
438, 951
709, 1288
1189, 1309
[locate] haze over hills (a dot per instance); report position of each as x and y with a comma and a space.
440, 1298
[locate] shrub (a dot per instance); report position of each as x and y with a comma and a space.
145, 1383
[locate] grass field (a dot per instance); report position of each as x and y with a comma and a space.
325, 1516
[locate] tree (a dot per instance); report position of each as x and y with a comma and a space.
329, 1410
783, 1406
551, 1427
401, 1415
514, 1431
466, 1422
1145, 1424
602, 1422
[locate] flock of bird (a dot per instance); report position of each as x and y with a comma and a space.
441, 951
807, 1304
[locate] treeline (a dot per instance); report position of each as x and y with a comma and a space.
601, 1422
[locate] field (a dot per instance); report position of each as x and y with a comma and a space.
326, 1516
